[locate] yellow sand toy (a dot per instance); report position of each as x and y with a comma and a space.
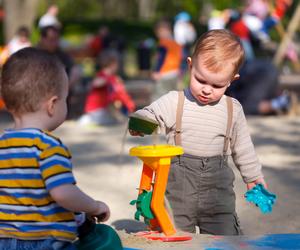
150, 202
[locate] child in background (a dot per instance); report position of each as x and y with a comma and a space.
38, 192
50, 18
185, 35
210, 127
169, 55
19, 41
276, 14
107, 89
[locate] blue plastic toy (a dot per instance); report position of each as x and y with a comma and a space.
261, 198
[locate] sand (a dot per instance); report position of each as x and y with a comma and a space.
104, 174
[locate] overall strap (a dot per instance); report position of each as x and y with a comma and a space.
179, 118
229, 123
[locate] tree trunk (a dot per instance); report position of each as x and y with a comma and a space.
18, 13
146, 9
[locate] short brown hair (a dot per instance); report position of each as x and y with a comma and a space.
28, 77
217, 47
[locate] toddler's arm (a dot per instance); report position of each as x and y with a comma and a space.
56, 170
162, 110
70, 197
118, 92
243, 152
98, 82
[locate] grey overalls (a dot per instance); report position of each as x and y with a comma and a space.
200, 189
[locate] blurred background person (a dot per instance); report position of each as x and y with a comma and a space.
50, 18
236, 24
276, 13
50, 41
20, 40
98, 42
257, 89
258, 8
107, 40
218, 19
185, 35
107, 97
168, 60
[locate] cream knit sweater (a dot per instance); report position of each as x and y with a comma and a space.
204, 129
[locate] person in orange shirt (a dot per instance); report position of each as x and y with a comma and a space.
169, 55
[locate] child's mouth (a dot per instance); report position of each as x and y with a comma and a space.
203, 99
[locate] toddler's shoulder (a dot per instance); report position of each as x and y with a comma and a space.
171, 97
52, 140
54, 146
237, 106
173, 93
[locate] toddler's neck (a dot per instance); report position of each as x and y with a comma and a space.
29, 120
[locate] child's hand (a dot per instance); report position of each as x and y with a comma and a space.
98, 82
103, 213
155, 76
251, 185
117, 104
135, 133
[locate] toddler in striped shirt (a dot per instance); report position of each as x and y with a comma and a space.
38, 192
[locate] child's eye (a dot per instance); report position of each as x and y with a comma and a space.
201, 81
217, 86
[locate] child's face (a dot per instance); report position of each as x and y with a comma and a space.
114, 67
208, 87
163, 32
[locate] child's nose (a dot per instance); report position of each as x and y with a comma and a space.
206, 90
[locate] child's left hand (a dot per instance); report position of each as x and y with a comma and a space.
117, 104
251, 185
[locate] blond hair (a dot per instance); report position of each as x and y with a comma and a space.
217, 48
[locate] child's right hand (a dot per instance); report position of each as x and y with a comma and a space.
251, 185
135, 133
102, 213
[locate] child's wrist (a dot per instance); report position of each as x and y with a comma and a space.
95, 209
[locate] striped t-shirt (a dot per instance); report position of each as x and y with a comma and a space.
32, 162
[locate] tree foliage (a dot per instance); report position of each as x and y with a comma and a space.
129, 9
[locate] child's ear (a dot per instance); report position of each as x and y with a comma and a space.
236, 77
189, 62
51, 105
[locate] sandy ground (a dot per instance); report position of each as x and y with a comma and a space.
107, 175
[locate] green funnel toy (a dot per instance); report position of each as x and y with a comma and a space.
97, 237
142, 124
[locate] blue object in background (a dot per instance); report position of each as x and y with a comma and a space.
266, 242
183, 16
261, 198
